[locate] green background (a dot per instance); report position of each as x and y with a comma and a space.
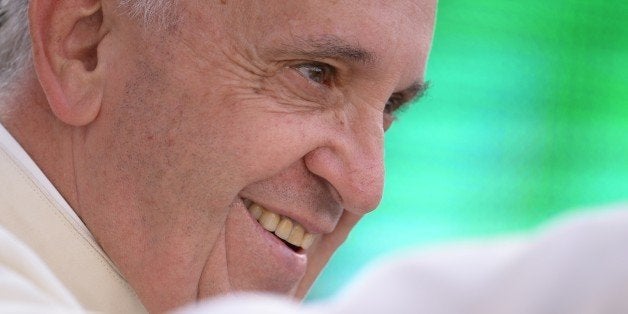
526, 118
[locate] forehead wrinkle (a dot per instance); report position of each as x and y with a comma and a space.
329, 46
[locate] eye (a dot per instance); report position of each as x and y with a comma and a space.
319, 73
388, 109
394, 102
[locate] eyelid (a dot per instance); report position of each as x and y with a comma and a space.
399, 102
331, 71
408, 96
306, 89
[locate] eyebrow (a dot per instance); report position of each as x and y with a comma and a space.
330, 47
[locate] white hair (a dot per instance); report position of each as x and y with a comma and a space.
15, 44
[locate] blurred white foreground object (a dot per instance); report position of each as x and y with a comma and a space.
576, 265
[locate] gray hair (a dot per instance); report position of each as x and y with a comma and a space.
15, 44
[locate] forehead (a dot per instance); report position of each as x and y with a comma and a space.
392, 33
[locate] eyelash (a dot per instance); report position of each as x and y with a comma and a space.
394, 103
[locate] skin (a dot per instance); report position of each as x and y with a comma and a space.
154, 137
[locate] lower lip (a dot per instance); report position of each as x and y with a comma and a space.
295, 262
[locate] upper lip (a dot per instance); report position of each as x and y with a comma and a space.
310, 224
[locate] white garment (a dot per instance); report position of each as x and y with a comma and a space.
576, 266
47, 252
27, 285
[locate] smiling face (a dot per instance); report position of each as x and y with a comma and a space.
244, 110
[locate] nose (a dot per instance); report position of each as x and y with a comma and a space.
352, 162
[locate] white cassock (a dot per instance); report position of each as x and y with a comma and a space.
50, 263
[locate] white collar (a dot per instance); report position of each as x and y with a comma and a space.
21, 157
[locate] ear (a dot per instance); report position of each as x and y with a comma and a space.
66, 35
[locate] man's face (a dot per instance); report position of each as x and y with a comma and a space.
275, 103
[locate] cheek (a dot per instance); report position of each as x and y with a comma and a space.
191, 139
163, 144
259, 136
265, 143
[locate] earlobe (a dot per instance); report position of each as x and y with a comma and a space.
66, 35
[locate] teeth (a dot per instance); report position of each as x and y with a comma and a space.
256, 211
269, 220
308, 239
296, 236
283, 227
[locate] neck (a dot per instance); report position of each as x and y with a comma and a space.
25, 113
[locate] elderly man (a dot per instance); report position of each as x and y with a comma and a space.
154, 153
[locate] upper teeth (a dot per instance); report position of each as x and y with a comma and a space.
283, 227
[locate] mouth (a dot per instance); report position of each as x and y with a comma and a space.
288, 231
